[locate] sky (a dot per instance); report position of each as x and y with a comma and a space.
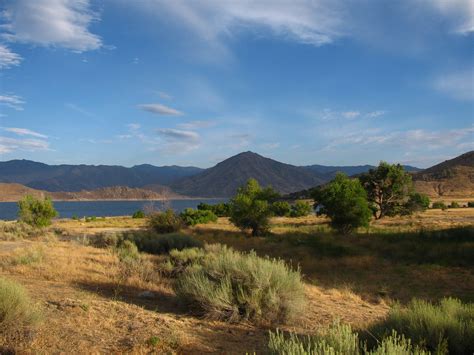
183, 82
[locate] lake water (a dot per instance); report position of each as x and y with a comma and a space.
68, 209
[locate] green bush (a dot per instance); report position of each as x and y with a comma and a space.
250, 209
105, 240
416, 203
439, 205
448, 325
454, 204
339, 339
300, 209
138, 214
228, 285
344, 201
165, 222
219, 209
90, 219
36, 212
162, 243
280, 208
470, 204
17, 311
127, 251
16, 230
191, 217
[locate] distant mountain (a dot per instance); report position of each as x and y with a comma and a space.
451, 178
88, 177
330, 171
224, 179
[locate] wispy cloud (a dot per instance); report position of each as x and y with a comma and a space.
160, 109
23, 132
198, 124
270, 145
164, 95
351, 114
375, 114
59, 23
8, 58
328, 114
179, 141
459, 85
79, 109
12, 101
8, 145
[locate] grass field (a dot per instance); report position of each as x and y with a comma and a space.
90, 303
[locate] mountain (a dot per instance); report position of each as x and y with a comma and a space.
88, 177
451, 178
330, 171
224, 179
14, 192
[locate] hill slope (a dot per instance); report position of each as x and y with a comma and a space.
223, 179
88, 177
451, 178
330, 171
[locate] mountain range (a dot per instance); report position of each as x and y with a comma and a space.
222, 180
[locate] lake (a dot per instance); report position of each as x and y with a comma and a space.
68, 209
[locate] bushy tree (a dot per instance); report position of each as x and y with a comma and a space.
454, 204
344, 201
219, 209
35, 211
388, 187
165, 222
191, 217
300, 209
417, 202
281, 208
138, 214
250, 208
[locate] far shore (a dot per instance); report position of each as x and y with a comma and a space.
124, 200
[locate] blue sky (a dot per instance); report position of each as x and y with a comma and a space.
193, 82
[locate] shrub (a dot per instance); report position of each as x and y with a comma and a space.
281, 208
454, 204
449, 324
191, 217
127, 251
16, 309
16, 230
250, 208
164, 243
339, 339
105, 240
232, 286
165, 222
219, 209
300, 209
344, 201
439, 205
90, 219
470, 204
138, 214
28, 256
416, 203
36, 212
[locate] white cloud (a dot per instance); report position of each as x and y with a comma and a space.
59, 23
160, 109
24, 132
375, 114
12, 101
164, 95
8, 58
270, 145
79, 109
179, 141
459, 85
460, 12
351, 114
197, 124
8, 145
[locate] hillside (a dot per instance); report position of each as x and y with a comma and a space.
223, 179
88, 177
451, 178
330, 171
14, 192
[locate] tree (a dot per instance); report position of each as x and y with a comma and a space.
281, 208
417, 202
36, 212
388, 187
300, 209
344, 201
250, 209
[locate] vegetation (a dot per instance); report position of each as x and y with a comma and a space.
344, 201
300, 209
281, 208
439, 205
388, 187
447, 327
191, 217
17, 311
36, 212
231, 286
16, 230
138, 214
165, 222
454, 204
417, 202
250, 208
220, 209
162, 243
470, 204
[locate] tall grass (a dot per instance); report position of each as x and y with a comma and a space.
228, 285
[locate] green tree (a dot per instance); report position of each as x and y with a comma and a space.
417, 202
35, 211
388, 187
250, 209
344, 201
300, 209
281, 208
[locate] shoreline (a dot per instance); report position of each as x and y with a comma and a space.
128, 199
